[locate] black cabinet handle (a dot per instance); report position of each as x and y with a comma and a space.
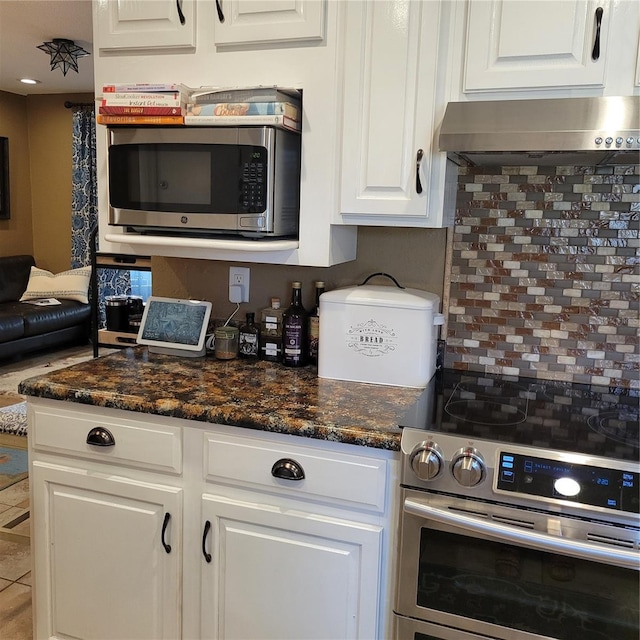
418, 163
180, 14
287, 469
219, 10
100, 437
165, 524
207, 526
595, 54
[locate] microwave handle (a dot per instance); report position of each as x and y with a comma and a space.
515, 535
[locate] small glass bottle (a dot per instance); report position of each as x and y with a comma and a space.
249, 339
271, 332
294, 330
313, 334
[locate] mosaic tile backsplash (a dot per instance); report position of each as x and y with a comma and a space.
544, 278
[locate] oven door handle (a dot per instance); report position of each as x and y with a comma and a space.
533, 539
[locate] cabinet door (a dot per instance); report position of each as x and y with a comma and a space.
263, 21
389, 171
281, 574
101, 568
152, 24
527, 44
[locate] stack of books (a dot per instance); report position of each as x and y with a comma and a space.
257, 106
143, 104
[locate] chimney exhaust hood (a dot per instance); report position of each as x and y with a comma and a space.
558, 131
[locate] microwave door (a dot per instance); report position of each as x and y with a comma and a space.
205, 182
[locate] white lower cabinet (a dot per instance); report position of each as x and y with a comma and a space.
106, 565
171, 529
278, 575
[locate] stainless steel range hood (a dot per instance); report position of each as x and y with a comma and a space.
559, 131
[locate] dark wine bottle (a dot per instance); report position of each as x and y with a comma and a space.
294, 330
249, 339
313, 330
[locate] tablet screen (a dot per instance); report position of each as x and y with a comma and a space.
180, 324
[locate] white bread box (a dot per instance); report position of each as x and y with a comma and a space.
379, 334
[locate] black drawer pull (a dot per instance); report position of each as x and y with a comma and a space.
219, 10
287, 469
165, 524
100, 437
595, 54
419, 157
207, 556
180, 14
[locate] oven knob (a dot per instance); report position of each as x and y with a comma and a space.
468, 468
426, 460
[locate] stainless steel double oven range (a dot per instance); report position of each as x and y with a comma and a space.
519, 512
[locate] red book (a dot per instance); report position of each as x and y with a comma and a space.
121, 110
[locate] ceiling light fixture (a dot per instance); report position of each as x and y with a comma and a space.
64, 54
29, 81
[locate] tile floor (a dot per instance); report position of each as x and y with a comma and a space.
15, 568
15, 557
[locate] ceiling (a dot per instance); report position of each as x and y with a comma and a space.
25, 24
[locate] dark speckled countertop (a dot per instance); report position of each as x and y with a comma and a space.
254, 395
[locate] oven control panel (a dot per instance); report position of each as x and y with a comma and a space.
528, 475
520, 476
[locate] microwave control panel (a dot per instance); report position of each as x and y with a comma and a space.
253, 194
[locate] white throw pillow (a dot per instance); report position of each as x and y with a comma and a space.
67, 285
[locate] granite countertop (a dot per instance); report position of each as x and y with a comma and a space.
255, 395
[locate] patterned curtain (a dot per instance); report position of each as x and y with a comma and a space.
84, 210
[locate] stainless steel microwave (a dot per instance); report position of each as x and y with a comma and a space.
205, 181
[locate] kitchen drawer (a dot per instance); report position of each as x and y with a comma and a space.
339, 478
138, 443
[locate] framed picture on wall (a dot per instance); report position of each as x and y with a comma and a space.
4, 179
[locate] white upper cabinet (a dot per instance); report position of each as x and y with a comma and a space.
566, 48
152, 24
391, 172
519, 44
296, 47
263, 21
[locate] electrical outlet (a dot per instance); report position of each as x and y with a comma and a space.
239, 277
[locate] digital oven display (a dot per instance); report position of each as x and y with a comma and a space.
584, 484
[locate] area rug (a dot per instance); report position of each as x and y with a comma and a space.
13, 420
12, 373
13, 466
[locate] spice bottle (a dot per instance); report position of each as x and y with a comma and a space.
313, 335
226, 343
249, 339
271, 332
294, 330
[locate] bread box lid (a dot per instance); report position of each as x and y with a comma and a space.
382, 296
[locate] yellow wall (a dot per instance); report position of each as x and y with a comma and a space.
16, 235
39, 129
50, 144
415, 257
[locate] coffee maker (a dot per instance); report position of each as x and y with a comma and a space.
123, 313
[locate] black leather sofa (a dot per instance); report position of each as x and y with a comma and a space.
26, 327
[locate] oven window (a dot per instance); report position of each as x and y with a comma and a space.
528, 590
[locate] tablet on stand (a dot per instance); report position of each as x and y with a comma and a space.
175, 327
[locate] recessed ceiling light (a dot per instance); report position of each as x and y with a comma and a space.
29, 81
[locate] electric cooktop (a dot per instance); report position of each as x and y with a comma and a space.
590, 420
